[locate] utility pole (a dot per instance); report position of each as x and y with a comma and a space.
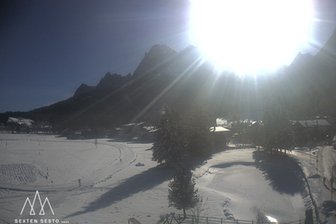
332, 182
317, 162
331, 190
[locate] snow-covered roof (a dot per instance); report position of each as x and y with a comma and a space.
256, 123
133, 124
314, 123
150, 128
221, 121
20, 121
218, 129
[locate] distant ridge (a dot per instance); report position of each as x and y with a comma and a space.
156, 56
165, 77
83, 89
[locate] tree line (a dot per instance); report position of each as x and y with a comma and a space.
183, 139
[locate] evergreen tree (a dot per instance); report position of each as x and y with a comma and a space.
182, 193
197, 126
256, 133
277, 129
170, 141
180, 138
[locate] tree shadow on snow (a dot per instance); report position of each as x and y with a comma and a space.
328, 208
238, 163
135, 184
283, 172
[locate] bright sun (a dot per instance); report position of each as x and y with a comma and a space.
250, 36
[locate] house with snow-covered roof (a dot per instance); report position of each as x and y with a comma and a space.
20, 124
311, 130
220, 136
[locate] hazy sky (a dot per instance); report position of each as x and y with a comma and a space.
49, 47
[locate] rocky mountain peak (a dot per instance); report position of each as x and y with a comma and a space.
157, 55
111, 80
82, 89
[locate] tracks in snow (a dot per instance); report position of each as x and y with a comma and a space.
125, 159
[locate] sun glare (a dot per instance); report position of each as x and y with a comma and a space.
250, 36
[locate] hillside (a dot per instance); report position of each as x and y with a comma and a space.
179, 80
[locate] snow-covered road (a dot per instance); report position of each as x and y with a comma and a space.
318, 166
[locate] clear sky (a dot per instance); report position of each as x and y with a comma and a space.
49, 47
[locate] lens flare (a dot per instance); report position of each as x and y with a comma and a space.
251, 36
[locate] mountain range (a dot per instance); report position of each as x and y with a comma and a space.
181, 80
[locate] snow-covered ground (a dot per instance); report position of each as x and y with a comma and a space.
240, 183
118, 180
318, 166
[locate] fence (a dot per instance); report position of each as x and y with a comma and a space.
190, 219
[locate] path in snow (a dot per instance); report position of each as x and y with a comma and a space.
50, 163
241, 183
317, 165
233, 184
55, 165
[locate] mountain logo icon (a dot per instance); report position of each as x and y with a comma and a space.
37, 198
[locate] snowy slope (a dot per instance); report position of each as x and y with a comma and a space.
119, 180
233, 187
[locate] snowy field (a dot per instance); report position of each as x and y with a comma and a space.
118, 180
240, 184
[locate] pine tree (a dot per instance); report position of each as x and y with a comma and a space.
182, 193
197, 131
180, 138
277, 129
170, 143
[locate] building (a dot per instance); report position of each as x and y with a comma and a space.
311, 131
220, 136
20, 125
